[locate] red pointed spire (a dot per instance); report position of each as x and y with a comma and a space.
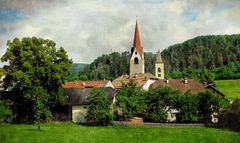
137, 40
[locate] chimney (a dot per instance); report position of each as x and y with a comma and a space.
185, 81
167, 81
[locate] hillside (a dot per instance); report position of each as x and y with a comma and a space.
229, 87
220, 54
203, 52
77, 67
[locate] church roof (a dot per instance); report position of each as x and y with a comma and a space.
137, 40
159, 58
140, 79
192, 85
85, 84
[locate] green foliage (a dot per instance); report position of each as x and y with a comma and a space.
83, 77
187, 106
37, 71
113, 65
130, 100
1, 72
203, 52
99, 110
230, 116
6, 114
208, 103
158, 102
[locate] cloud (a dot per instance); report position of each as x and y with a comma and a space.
87, 29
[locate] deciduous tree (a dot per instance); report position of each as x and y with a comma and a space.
36, 70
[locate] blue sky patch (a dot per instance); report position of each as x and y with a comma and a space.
191, 14
8, 15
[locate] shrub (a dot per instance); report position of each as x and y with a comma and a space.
230, 117
130, 101
187, 107
99, 110
6, 114
158, 101
207, 104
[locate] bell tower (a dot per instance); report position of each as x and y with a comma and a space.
137, 55
159, 67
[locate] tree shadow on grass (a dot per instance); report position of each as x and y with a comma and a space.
33, 130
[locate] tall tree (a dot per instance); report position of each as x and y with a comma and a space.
36, 70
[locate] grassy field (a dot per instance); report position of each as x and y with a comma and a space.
231, 88
71, 133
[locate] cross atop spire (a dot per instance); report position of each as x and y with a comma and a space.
137, 40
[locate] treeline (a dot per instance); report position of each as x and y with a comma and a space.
203, 52
112, 65
153, 105
218, 55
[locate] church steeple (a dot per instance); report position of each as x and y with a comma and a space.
159, 58
137, 40
159, 67
137, 55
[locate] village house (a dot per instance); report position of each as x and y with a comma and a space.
76, 98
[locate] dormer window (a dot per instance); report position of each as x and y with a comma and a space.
136, 60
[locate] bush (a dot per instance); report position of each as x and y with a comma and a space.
130, 101
208, 103
158, 101
6, 114
99, 110
188, 110
230, 117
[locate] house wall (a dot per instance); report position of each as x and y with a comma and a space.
79, 113
147, 84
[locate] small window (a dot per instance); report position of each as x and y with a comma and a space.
136, 60
159, 75
135, 53
159, 70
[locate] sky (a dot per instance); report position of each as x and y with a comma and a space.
90, 28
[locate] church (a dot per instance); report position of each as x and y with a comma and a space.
145, 80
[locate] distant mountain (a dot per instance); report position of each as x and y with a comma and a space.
77, 67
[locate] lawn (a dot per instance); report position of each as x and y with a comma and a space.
72, 133
231, 88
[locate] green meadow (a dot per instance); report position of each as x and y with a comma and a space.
72, 133
231, 88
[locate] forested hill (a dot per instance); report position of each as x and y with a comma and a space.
203, 51
220, 53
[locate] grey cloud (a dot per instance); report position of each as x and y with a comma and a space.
87, 29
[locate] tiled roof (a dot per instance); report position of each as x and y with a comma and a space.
79, 96
85, 84
140, 79
192, 85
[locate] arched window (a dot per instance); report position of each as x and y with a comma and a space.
159, 69
136, 60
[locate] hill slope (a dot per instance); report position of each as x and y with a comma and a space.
203, 51
229, 87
